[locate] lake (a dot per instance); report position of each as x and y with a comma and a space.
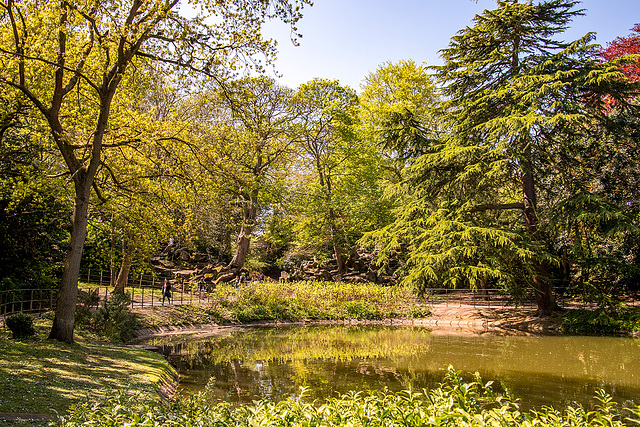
245, 364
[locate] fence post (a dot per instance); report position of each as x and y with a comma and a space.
89, 275
100, 284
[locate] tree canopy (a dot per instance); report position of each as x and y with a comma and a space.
512, 165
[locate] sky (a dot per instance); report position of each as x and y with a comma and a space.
348, 39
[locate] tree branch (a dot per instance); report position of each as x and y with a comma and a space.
504, 206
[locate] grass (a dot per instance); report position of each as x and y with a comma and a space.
40, 376
272, 301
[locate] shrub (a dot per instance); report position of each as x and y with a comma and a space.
602, 321
115, 320
87, 301
454, 403
21, 325
362, 310
420, 311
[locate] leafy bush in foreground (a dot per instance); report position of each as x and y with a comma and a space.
455, 403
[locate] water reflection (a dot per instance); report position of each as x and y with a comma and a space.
274, 363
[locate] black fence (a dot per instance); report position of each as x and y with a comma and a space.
145, 290
27, 301
485, 298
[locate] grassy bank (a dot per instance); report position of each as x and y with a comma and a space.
296, 301
40, 376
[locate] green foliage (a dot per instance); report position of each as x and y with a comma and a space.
21, 325
604, 320
362, 310
294, 301
456, 402
87, 302
499, 193
338, 187
33, 212
114, 319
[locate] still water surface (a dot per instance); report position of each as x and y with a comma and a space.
273, 363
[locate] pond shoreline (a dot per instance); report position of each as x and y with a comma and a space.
461, 318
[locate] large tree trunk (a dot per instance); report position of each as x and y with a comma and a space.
63, 322
249, 212
112, 255
541, 283
337, 249
83, 176
127, 259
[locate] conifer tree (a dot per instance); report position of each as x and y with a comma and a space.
472, 215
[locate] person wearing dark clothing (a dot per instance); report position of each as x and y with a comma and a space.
166, 291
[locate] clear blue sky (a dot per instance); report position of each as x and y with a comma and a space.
348, 39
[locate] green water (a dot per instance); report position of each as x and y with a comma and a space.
273, 363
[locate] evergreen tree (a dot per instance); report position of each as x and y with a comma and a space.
472, 215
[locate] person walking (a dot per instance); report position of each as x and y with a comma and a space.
166, 291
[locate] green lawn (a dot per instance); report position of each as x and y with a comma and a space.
40, 376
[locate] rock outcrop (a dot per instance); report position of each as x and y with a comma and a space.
186, 265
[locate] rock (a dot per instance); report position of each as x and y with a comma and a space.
184, 274
284, 276
183, 255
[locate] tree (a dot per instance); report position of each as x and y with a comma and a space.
629, 45
33, 213
472, 212
393, 96
69, 59
327, 140
246, 143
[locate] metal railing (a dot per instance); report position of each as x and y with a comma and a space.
145, 290
27, 301
488, 298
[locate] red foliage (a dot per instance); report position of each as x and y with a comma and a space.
629, 45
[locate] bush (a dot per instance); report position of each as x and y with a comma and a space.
362, 310
87, 301
21, 325
602, 321
454, 403
115, 320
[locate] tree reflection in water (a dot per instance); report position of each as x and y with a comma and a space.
274, 363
